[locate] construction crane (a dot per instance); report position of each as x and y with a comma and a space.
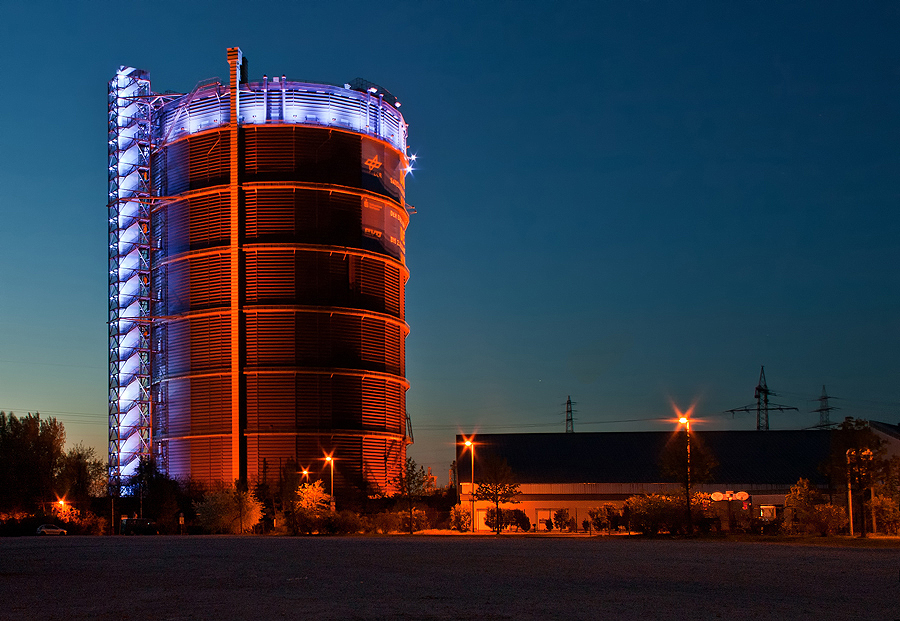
762, 405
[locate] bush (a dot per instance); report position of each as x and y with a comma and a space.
420, 520
653, 513
386, 522
341, 523
521, 521
86, 523
598, 519
460, 519
887, 514
493, 516
303, 521
561, 518
604, 517
432, 517
549, 524
828, 519
806, 513
229, 511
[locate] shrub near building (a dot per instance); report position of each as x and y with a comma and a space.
651, 514
806, 512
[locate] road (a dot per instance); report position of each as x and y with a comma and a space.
423, 577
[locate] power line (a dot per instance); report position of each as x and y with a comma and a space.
41, 411
52, 364
532, 425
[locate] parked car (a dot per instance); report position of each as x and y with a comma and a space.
50, 529
138, 526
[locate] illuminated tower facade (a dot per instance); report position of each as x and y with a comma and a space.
270, 228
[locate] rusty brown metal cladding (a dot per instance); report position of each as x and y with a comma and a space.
321, 282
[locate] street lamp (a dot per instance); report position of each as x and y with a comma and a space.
859, 457
471, 446
684, 420
850, 492
306, 474
330, 460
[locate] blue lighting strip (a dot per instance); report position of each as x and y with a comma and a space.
284, 102
129, 274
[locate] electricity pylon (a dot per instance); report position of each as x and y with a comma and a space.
824, 409
570, 421
762, 404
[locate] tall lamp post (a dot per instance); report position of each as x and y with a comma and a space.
684, 420
862, 460
330, 460
849, 492
471, 446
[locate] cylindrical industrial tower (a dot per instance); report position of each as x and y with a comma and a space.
277, 272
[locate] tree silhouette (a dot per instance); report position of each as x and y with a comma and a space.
31, 459
83, 474
857, 453
688, 468
411, 483
497, 484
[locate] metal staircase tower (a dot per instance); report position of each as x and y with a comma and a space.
129, 273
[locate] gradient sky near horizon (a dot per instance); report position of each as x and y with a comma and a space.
632, 203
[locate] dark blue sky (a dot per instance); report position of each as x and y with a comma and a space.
630, 202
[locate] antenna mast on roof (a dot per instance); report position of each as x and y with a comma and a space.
762, 404
570, 422
824, 409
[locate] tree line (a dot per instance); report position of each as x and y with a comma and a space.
41, 481
36, 470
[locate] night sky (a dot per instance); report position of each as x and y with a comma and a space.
632, 203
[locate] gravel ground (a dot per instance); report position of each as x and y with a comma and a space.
426, 577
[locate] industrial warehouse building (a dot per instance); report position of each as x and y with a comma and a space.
579, 471
257, 272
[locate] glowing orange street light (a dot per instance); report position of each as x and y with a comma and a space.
306, 474
685, 420
471, 446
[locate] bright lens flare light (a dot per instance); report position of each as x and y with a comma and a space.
683, 417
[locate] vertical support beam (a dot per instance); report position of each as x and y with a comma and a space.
235, 60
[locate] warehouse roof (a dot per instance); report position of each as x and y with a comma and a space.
762, 457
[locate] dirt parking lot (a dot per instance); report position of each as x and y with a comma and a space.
422, 577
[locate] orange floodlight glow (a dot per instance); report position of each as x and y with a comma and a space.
686, 415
